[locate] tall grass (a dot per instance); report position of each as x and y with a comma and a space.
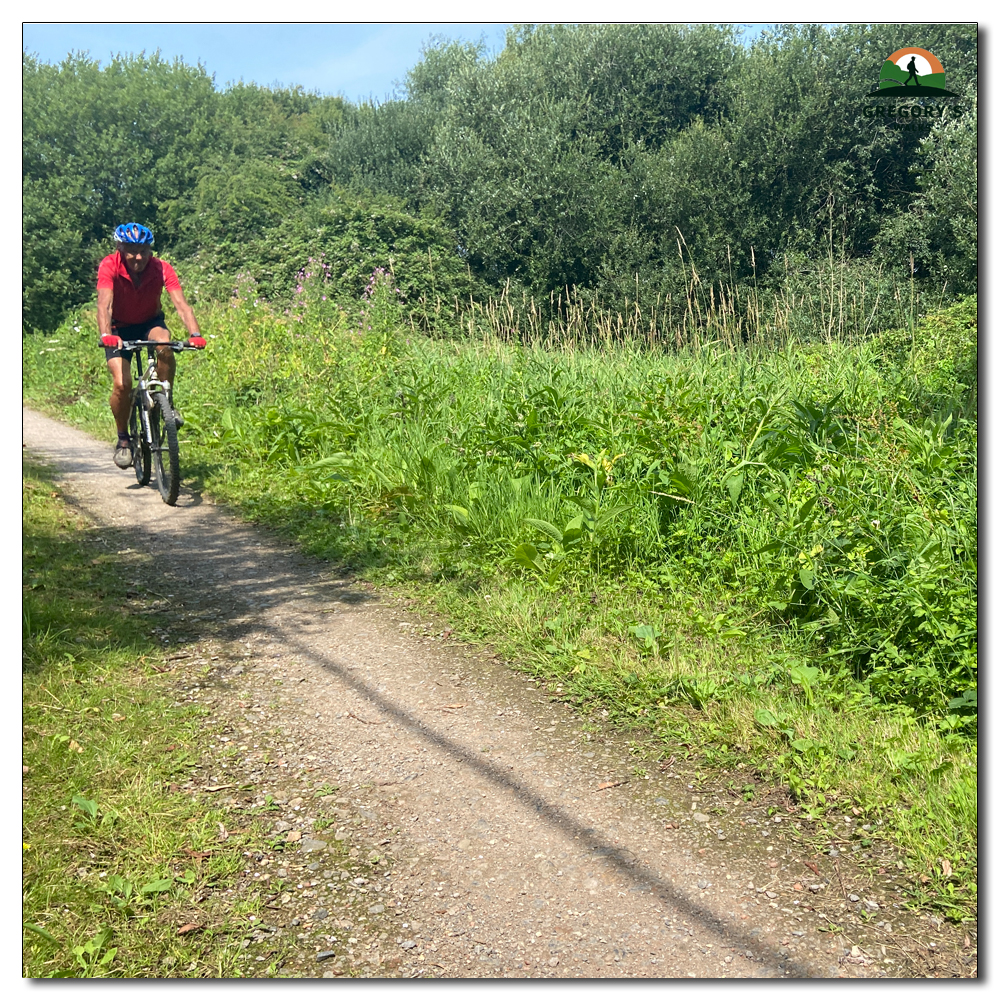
823, 486
801, 301
753, 545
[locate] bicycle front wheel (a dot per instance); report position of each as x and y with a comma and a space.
141, 456
166, 459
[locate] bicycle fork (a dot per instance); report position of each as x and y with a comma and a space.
155, 385
147, 387
143, 409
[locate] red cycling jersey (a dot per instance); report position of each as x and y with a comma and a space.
131, 304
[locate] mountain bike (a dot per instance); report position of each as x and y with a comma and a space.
152, 423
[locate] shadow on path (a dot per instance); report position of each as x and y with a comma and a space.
553, 814
220, 564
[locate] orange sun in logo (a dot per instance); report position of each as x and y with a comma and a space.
926, 61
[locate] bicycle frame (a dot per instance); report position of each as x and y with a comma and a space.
152, 420
147, 381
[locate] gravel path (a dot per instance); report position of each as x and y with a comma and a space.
523, 843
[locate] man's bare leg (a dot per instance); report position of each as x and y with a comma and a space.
166, 363
166, 366
121, 394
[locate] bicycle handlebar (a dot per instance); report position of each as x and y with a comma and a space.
174, 345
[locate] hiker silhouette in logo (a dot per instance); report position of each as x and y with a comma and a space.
911, 68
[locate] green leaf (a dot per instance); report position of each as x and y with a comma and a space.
527, 555
968, 699
89, 806
805, 509
522, 483
648, 634
766, 718
679, 481
160, 885
808, 578
586, 503
609, 513
41, 931
775, 508
341, 461
803, 675
735, 486
546, 528
120, 885
460, 514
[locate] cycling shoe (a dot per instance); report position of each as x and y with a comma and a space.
123, 454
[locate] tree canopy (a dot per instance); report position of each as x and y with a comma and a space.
607, 158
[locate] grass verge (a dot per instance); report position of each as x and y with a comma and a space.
130, 869
122, 870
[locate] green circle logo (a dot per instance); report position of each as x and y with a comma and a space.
912, 72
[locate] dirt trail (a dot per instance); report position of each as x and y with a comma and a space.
522, 845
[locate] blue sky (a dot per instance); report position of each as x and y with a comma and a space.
356, 61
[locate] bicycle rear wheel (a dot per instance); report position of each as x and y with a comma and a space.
142, 459
166, 459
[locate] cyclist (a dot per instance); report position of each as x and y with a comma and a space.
129, 283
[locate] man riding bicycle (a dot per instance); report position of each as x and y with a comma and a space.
129, 283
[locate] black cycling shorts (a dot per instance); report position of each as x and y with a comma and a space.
137, 331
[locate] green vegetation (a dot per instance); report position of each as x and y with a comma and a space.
662, 385
116, 857
761, 556
595, 163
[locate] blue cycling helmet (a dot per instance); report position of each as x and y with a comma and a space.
132, 232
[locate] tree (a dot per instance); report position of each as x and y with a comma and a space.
940, 228
579, 156
101, 147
